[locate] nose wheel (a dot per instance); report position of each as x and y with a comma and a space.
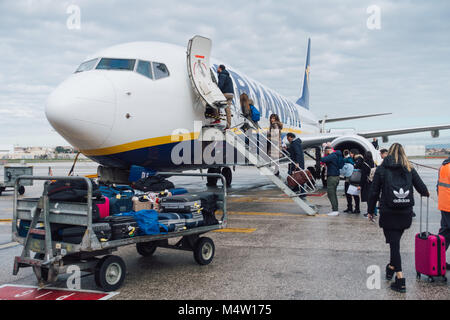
226, 172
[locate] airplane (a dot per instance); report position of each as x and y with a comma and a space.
123, 106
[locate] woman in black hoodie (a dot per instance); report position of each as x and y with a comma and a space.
395, 179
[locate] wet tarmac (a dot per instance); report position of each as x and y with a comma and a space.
271, 250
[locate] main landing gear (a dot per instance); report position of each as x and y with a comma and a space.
225, 171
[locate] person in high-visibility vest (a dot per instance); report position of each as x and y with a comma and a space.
443, 189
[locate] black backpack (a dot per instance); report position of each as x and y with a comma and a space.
398, 188
71, 190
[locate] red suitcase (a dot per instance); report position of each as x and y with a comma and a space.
430, 252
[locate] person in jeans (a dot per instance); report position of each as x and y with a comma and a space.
226, 86
348, 159
331, 160
395, 218
443, 189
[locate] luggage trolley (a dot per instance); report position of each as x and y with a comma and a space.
52, 258
11, 173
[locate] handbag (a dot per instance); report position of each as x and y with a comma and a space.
355, 178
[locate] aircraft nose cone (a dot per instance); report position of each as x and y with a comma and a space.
82, 109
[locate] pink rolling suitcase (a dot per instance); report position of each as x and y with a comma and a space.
103, 207
430, 252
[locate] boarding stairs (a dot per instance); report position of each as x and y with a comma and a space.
252, 145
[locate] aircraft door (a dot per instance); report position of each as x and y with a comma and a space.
198, 65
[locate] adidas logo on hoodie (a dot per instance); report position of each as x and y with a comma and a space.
401, 196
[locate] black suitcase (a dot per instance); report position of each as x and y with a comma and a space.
75, 234
188, 203
122, 227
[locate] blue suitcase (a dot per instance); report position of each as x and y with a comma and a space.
120, 198
193, 219
173, 221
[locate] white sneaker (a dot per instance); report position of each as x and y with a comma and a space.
333, 214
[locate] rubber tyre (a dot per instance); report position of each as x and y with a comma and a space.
146, 249
110, 273
204, 250
21, 190
228, 174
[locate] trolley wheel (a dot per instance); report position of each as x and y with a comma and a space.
110, 273
418, 275
430, 279
228, 174
204, 251
146, 249
21, 190
212, 181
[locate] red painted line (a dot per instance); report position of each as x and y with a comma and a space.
200, 57
23, 292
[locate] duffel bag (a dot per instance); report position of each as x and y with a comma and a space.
299, 177
71, 190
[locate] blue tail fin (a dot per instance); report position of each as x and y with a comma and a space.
304, 100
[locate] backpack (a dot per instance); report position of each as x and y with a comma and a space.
371, 173
398, 188
256, 115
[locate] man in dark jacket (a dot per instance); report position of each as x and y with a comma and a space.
226, 86
295, 152
332, 160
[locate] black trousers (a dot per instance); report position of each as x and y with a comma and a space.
349, 198
393, 238
445, 227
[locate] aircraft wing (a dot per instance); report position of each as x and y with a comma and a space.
384, 133
318, 139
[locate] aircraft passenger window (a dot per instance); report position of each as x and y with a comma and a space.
116, 64
145, 68
87, 65
160, 70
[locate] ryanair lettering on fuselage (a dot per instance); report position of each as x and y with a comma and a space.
266, 100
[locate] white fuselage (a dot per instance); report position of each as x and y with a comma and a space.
121, 117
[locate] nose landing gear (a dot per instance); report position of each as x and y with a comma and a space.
225, 171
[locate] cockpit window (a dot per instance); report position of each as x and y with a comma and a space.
116, 64
87, 65
160, 70
145, 68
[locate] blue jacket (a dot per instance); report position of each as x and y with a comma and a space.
225, 83
296, 152
332, 163
349, 160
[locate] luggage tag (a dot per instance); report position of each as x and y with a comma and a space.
132, 231
118, 196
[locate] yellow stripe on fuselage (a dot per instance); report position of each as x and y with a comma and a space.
151, 142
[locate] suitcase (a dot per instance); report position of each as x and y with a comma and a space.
300, 177
122, 227
119, 198
75, 234
429, 252
103, 207
189, 203
193, 219
142, 203
173, 221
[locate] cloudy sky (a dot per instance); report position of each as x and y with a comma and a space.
403, 67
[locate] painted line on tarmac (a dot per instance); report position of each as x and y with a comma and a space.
250, 213
237, 230
5, 220
252, 199
8, 245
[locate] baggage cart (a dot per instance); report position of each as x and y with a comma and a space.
52, 258
11, 173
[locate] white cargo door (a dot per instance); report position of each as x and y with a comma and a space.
198, 55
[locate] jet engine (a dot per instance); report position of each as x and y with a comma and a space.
356, 142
